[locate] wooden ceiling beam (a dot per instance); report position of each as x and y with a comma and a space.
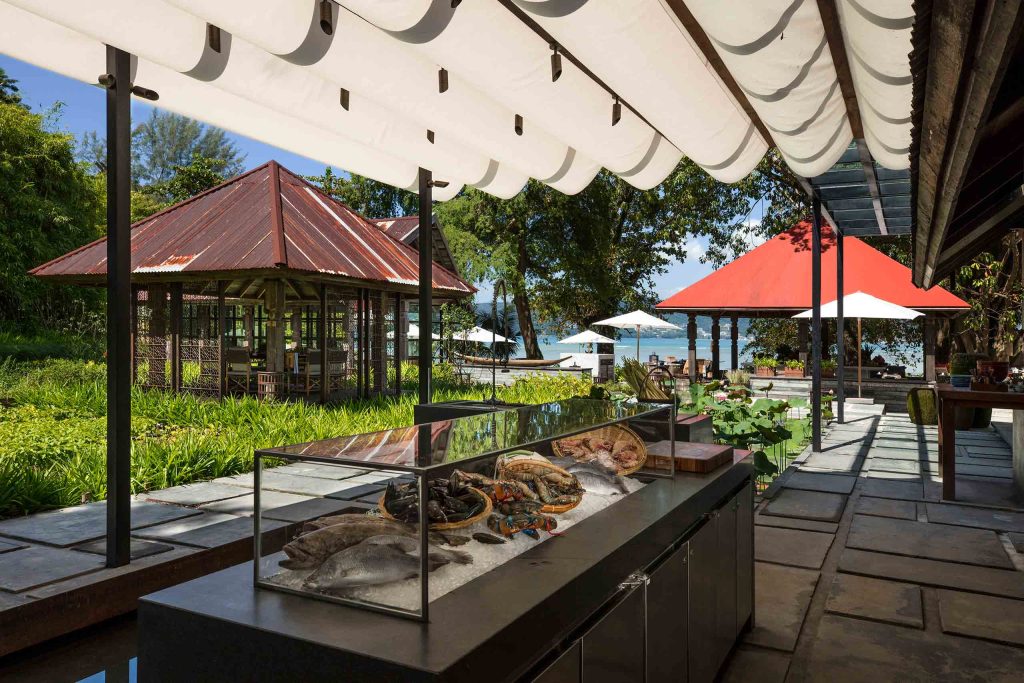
872, 180
837, 48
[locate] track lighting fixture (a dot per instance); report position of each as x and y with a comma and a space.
430, 136
326, 17
213, 37
145, 93
456, 3
344, 99
439, 183
616, 111
519, 124
556, 63
442, 80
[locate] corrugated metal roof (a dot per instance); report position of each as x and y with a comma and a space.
775, 279
238, 226
406, 229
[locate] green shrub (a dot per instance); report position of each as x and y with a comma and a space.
765, 362
794, 364
921, 405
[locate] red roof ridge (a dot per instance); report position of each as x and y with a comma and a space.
277, 216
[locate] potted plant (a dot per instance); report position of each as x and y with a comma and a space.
995, 370
828, 367
765, 367
794, 368
960, 367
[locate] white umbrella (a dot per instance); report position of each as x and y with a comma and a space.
414, 333
587, 337
478, 334
637, 320
860, 305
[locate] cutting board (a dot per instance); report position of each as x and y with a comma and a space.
690, 457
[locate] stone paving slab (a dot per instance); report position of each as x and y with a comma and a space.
138, 548
822, 462
827, 483
892, 488
989, 451
34, 566
171, 530
313, 508
756, 665
886, 507
982, 616
321, 470
791, 547
291, 483
895, 454
9, 600
988, 491
223, 532
139, 567
875, 464
75, 525
796, 523
1018, 542
982, 518
194, 494
8, 546
781, 598
358, 491
977, 470
931, 541
824, 507
855, 650
243, 505
877, 599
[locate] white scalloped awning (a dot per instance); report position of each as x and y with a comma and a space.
468, 91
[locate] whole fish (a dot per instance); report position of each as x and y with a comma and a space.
594, 477
411, 546
366, 565
309, 550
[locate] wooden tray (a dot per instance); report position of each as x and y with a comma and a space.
690, 457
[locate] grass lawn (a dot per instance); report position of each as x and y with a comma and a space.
53, 429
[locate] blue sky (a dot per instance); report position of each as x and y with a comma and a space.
83, 111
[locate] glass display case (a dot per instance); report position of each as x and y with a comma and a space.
491, 485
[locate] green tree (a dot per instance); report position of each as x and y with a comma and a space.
164, 142
9, 93
49, 205
366, 196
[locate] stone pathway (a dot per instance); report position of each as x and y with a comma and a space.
863, 574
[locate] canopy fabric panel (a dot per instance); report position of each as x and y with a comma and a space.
775, 279
877, 38
477, 92
778, 52
267, 219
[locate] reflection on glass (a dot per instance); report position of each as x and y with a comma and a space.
473, 436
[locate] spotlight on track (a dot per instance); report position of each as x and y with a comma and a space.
344, 99
519, 124
442, 80
326, 17
616, 111
556, 63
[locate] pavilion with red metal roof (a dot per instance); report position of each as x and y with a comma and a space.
774, 280
265, 283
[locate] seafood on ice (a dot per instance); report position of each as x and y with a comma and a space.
620, 455
448, 500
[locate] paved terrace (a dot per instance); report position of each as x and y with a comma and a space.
52, 574
863, 575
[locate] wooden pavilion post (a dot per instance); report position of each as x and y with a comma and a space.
401, 339
159, 354
325, 365
249, 322
274, 302
734, 334
222, 339
929, 348
802, 335
379, 335
716, 352
816, 326
176, 320
691, 345
840, 332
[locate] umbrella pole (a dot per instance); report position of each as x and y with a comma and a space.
638, 343
859, 359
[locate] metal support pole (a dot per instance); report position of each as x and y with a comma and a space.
816, 327
840, 330
691, 346
734, 334
177, 313
325, 365
119, 268
716, 340
400, 344
929, 348
426, 285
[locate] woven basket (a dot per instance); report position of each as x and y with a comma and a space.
518, 460
611, 433
444, 526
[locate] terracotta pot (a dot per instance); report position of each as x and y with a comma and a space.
828, 373
793, 372
763, 371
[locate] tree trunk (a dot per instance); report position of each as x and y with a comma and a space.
526, 328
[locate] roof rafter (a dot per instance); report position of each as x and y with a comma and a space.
837, 47
869, 175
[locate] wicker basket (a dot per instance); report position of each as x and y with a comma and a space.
611, 433
445, 526
516, 460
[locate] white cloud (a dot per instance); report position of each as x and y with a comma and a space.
694, 250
